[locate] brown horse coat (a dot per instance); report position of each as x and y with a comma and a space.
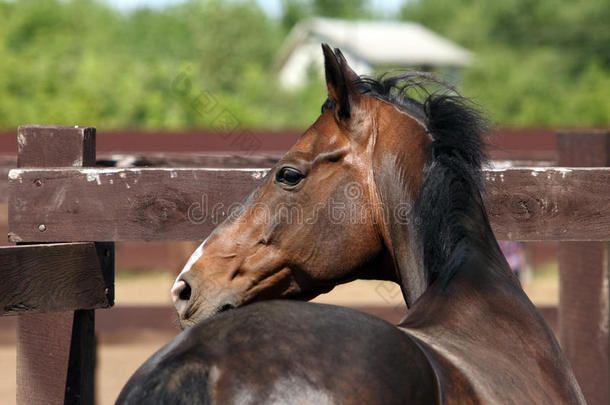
471, 335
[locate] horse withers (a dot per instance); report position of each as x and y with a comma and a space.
407, 176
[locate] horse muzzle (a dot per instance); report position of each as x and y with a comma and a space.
194, 305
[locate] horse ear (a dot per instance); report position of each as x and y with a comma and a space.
350, 76
340, 81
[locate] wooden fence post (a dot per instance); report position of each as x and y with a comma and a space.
584, 278
55, 351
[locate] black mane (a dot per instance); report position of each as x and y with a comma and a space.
449, 210
453, 121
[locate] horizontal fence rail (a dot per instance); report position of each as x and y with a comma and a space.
523, 143
559, 204
228, 160
93, 204
56, 277
123, 204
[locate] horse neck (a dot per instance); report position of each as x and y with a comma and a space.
475, 305
451, 220
397, 168
446, 225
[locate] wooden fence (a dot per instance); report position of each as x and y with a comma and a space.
65, 215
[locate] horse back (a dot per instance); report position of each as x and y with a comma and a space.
286, 352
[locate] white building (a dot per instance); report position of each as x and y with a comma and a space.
367, 45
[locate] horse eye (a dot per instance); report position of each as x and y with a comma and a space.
289, 176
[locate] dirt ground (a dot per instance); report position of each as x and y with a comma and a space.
117, 361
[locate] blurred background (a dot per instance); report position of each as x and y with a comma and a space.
111, 64
163, 80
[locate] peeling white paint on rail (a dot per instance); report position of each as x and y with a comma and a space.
259, 174
537, 170
105, 170
495, 173
563, 171
604, 304
93, 174
260, 171
549, 171
21, 140
540, 169
14, 174
94, 177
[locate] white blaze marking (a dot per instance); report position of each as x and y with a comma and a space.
193, 259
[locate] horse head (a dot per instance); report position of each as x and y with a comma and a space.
329, 212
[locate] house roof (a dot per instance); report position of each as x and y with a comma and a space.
379, 42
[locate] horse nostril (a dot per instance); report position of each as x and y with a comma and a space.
185, 293
181, 291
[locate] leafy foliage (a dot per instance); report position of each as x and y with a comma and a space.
296, 10
538, 62
80, 61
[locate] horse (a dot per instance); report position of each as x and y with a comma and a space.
405, 172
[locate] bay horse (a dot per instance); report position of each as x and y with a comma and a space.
407, 175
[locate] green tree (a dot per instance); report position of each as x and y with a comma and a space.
349, 9
82, 62
294, 11
534, 60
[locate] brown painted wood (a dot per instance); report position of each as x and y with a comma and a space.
506, 143
124, 204
213, 160
584, 279
55, 146
583, 314
43, 352
4, 184
582, 149
54, 277
186, 204
549, 203
50, 346
216, 160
